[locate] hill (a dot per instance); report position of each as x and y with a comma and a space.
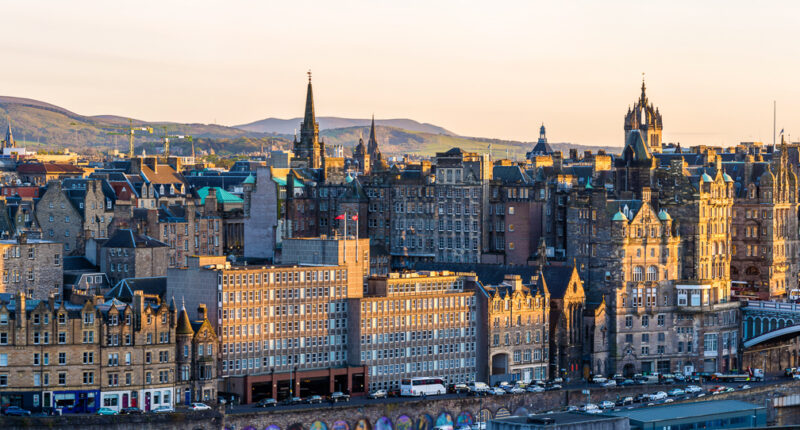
40, 125
288, 126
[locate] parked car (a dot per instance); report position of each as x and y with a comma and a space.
658, 396
680, 377
641, 397
609, 384
497, 391
314, 399
597, 379
16, 411
571, 408
478, 387
594, 411
535, 389
163, 410
745, 387
606, 404
589, 407
394, 392
199, 407
552, 387
293, 400
625, 401
338, 396
106, 411
458, 388
693, 389
517, 390
676, 392
132, 410
378, 394
265, 403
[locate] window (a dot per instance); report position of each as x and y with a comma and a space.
628, 321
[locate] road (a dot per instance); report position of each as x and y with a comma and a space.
357, 401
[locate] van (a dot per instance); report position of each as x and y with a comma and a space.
478, 387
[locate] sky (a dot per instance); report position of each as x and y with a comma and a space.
477, 68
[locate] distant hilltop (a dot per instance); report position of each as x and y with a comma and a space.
288, 126
43, 126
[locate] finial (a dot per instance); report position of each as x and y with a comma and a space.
183, 303
309, 75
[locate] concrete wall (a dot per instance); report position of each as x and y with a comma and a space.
260, 227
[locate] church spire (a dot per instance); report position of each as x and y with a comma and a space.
372, 143
643, 99
309, 118
9, 141
309, 150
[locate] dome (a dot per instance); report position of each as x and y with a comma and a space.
619, 216
664, 216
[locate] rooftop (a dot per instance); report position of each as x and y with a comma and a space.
685, 410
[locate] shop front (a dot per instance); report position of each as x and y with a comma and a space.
76, 401
156, 397
117, 400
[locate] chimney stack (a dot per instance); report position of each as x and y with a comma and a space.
202, 312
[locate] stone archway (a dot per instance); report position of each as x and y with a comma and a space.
628, 370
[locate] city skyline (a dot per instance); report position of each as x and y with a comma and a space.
425, 62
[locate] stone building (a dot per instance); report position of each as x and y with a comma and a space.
518, 329
83, 356
196, 358
32, 267
567, 303
283, 329
514, 225
43, 173
645, 119
131, 255
415, 324
75, 210
462, 194
764, 231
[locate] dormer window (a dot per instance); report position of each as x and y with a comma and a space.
3, 319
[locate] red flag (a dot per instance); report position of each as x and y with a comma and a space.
355, 218
340, 217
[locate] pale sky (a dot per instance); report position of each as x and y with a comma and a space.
479, 68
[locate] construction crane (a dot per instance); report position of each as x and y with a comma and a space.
131, 131
166, 137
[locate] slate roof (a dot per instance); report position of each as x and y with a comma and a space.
510, 175
557, 279
78, 263
125, 288
126, 238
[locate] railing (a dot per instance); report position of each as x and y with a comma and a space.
778, 306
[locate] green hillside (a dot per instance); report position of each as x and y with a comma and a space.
43, 126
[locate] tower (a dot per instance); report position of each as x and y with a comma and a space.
362, 156
647, 119
9, 140
375, 158
309, 151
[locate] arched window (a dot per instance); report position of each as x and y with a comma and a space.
652, 273
638, 274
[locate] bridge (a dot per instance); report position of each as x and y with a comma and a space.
763, 321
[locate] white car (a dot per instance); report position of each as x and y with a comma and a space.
378, 394
517, 390
497, 391
594, 411
611, 383
599, 379
676, 392
658, 396
199, 407
693, 389
588, 407
535, 389
163, 410
607, 404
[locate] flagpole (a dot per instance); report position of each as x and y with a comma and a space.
345, 236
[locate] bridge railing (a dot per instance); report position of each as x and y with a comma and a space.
772, 305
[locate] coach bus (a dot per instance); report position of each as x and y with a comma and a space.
422, 387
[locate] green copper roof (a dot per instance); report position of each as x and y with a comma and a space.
664, 216
707, 178
727, 177
222, 196
249, 180
619, 216
282, 182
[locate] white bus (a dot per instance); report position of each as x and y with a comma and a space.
422, 386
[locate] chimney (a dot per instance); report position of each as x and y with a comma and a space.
646, 195
202, 312
51, 301
514, 280
20, 309
138, 301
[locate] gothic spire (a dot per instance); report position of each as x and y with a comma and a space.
9, 142
309, 119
